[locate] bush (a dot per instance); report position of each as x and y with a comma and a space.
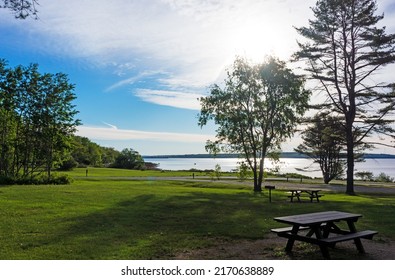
41, 179
364, 175
217, 173
68, 165
382, 177
4, 180
243, 171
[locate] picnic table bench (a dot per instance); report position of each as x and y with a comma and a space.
312, 194
320, 225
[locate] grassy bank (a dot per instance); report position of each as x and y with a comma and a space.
109, 217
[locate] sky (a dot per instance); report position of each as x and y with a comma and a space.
139, 67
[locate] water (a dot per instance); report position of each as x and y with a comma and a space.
286, 165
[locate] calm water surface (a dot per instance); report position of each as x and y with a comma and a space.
286, 165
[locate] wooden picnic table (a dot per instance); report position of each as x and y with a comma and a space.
320, 226
312, 194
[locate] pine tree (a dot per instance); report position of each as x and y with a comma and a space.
343, 50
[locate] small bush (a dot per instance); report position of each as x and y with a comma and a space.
217, 173
57, 179
243, 171
41, 179
382, 177
364, 175
68, 165
4, 180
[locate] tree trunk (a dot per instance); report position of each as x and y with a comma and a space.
257, 182
350, 160
326, 178
258, 187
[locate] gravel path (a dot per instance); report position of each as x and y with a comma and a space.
282, 185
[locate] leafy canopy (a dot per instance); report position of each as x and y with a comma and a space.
257, 109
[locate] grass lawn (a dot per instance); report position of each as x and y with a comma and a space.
108, 217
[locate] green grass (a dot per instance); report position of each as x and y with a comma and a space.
115, 218
114, 172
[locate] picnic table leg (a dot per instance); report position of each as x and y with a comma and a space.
357, 241
323, 248
297, 195
291, 240
292, 196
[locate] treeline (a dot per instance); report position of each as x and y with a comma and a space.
37, 126
87, 153
37, 120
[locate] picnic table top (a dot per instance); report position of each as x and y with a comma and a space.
317, 218
303, 190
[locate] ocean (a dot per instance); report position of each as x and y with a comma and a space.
285, 165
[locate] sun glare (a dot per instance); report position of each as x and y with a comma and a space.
255, 39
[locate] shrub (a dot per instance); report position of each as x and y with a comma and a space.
68, 165
4, 180
364, 175
382, 177
40, 179
243, 171
217, 173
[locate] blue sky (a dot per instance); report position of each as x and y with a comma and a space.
139, 66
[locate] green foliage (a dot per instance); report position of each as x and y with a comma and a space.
68, 164
243, 171
87, 153
256, 111
38, 179
364, 175
36, 120
324, 142
216, 173
129, 159
382, 177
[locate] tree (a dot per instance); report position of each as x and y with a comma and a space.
37, 120
21, 8
87, 153
255, 112
344, 50
129, 159
323, 141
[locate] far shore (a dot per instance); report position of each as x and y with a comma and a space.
283, 155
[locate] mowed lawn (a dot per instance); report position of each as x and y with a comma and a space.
100, 217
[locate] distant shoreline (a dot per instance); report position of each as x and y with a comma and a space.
283, 155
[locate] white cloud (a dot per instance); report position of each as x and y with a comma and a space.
189, 43
176, 99
133, 79
113, 133
192, 40
110, 125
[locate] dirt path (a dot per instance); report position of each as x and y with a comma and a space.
281, 185
272, 248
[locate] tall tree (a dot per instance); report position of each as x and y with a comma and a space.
344, 49
323, 142
37, 120
255, 112
21, 8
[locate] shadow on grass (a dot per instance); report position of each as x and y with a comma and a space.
157, 226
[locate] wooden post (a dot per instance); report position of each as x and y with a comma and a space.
270, 188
